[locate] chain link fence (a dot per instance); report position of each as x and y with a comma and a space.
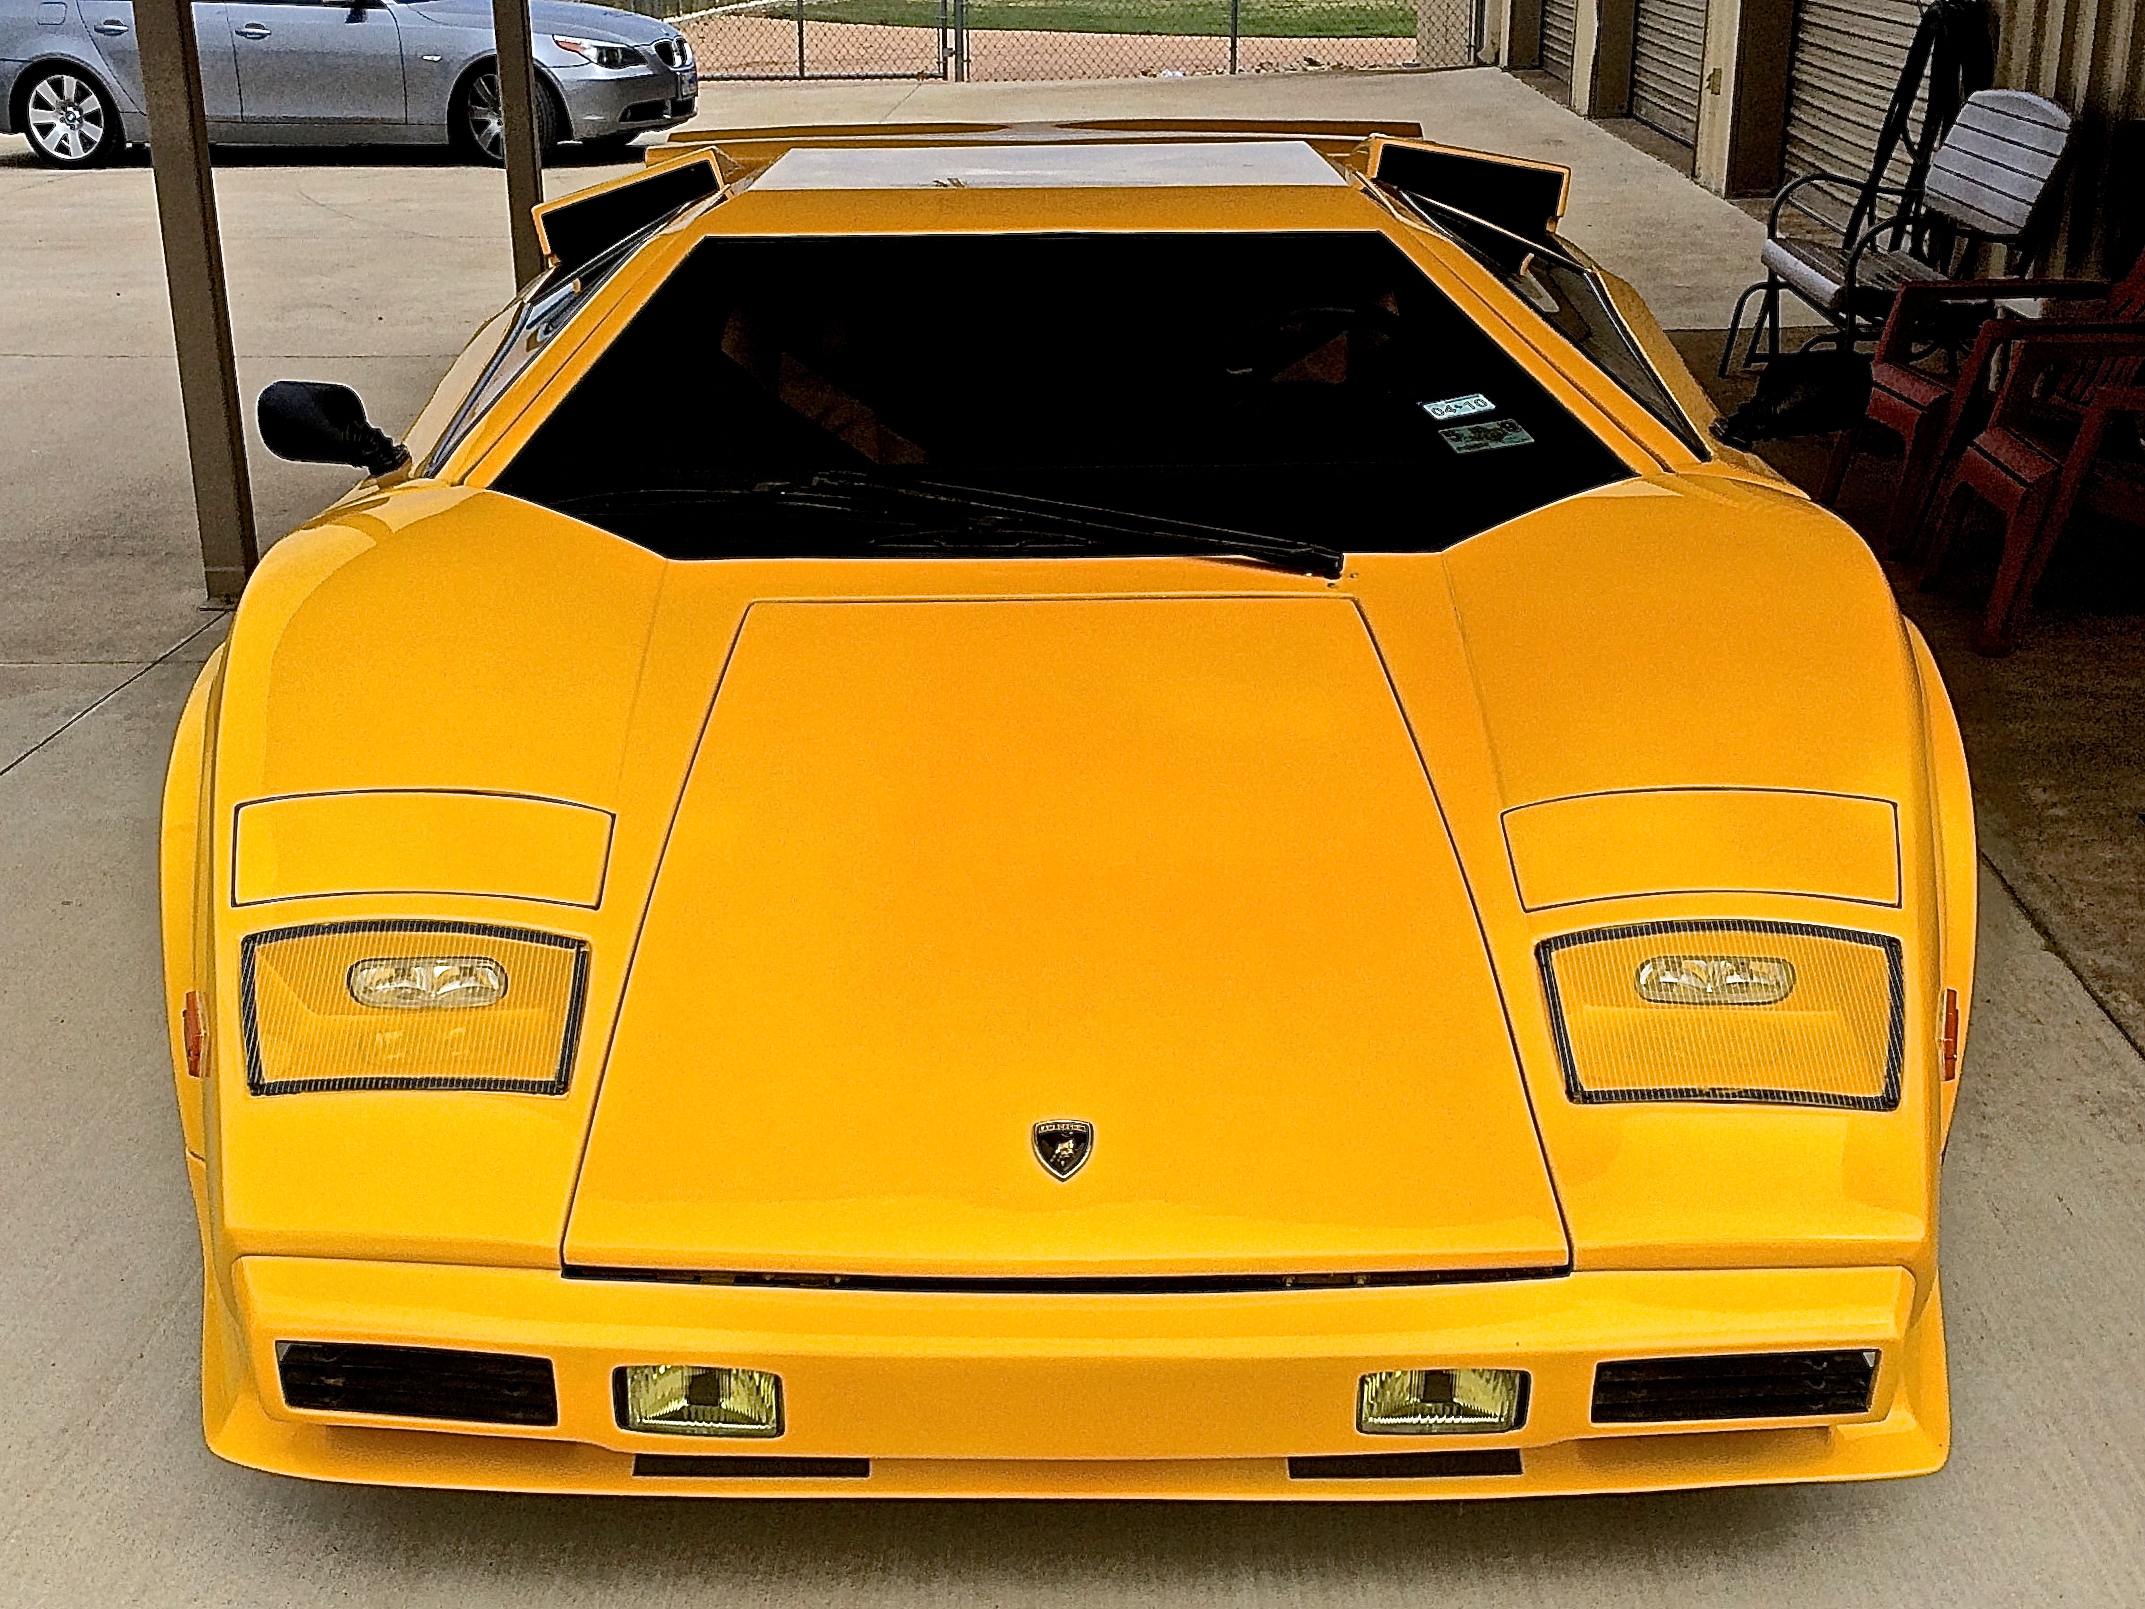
1004, 40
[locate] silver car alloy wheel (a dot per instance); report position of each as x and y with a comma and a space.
482, 117
66, 118
485, 116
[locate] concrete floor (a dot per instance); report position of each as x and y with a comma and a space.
373, 271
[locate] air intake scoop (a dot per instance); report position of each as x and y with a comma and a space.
1169, 867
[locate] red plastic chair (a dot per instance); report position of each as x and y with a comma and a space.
1934, 415
2047, 447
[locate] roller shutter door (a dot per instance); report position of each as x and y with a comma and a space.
1846, 60
1560, 25
1668, 49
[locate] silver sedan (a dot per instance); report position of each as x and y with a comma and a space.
339, 72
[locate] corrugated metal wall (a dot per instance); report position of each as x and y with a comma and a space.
1668, 50
1842, 69
2089, 56
1560, 23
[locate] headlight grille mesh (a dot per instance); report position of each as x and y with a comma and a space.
1836, 1040
304, 1030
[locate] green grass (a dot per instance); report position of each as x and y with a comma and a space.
1258, 19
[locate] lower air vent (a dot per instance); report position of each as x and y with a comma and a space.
716, 1466
1403, 1466
418, 1382
1746, 1385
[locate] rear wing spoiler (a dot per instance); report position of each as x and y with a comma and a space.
1507, 207
1504, 206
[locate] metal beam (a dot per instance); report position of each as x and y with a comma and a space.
200, 310
524, 153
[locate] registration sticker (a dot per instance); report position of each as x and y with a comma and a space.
1486, 436
1460, 407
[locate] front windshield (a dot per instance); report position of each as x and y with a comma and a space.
1315, 388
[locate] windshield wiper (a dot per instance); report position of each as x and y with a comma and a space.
945, 518
1180, 536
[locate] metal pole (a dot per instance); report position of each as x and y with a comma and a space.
524, 154
800, 38
960, 41
200, 308
1235, 7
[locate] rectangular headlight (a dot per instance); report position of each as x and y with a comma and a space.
410, 1005
1784, 1012
690, 1399
1441, 1402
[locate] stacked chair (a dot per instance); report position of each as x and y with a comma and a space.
2038, 419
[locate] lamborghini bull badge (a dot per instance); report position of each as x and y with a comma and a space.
1063, 1145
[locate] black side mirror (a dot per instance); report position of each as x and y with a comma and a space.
312, 422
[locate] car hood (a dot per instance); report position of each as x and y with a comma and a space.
603, 23
912, 855
1169, 867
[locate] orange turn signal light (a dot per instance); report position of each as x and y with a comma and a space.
193, 1033
1951, 1035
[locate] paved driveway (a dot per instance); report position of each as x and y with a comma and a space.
373, 273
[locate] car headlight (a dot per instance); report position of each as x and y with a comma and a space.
1785, 1012
410, 1005
599, 55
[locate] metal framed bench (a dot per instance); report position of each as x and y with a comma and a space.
1990, 182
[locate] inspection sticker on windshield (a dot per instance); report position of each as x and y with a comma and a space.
1486, 436
1460, 407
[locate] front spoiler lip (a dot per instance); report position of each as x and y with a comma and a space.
1205, 1396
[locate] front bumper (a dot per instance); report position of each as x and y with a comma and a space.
1123, 1396
600, 101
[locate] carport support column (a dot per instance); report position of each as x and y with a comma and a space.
524, 157
200, 309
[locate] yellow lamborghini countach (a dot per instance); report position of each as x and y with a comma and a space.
1084, 811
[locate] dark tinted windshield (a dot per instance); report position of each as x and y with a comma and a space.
1312, 387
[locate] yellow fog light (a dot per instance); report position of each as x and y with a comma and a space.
687, 1399
427, 982
1441, 1402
